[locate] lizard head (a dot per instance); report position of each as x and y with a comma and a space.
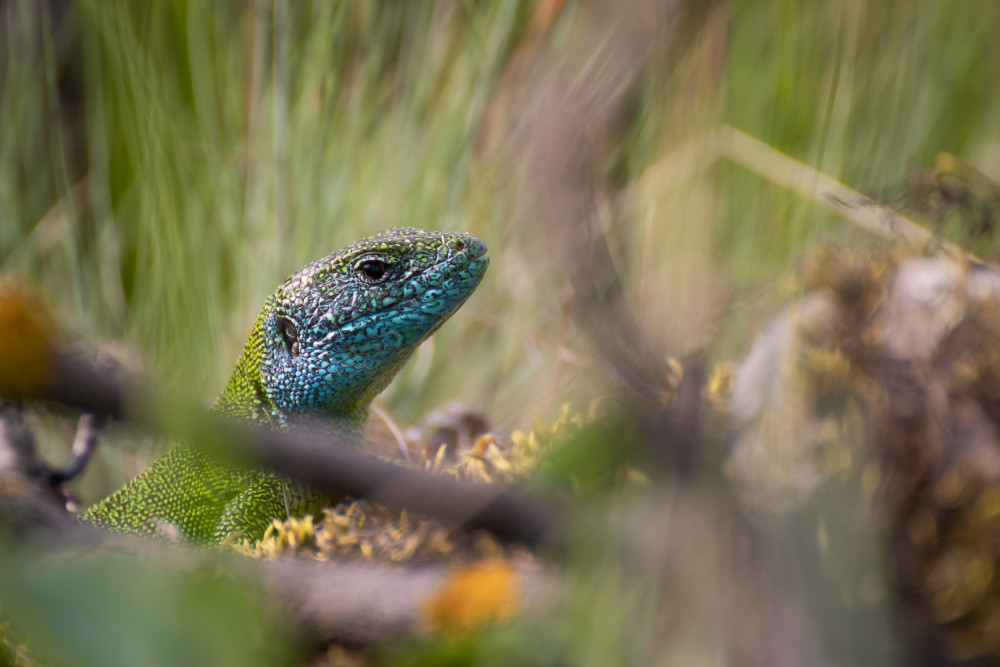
336, 331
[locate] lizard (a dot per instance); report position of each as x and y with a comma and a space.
327, 341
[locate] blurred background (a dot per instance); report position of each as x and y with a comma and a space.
163, 165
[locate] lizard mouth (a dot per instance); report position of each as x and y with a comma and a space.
456, 279
456, 283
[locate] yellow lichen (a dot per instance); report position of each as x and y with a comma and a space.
484, 594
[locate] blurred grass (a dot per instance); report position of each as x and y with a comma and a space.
164, 165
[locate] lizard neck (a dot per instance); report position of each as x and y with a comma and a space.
245, 398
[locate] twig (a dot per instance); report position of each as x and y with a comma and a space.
396, 433
728, 143
88, 429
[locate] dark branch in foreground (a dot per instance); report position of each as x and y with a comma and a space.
322, 461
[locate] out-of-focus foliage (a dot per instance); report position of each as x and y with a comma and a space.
81, 610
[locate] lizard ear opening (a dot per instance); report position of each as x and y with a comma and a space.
289, 334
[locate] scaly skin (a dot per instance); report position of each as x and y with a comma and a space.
327, 341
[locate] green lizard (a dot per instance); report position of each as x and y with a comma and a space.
327, 341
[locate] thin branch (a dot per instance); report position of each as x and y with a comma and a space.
88, 430
728, 143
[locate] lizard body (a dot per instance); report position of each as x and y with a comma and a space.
327, 341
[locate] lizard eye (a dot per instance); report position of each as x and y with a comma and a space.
289, 334
372, 270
